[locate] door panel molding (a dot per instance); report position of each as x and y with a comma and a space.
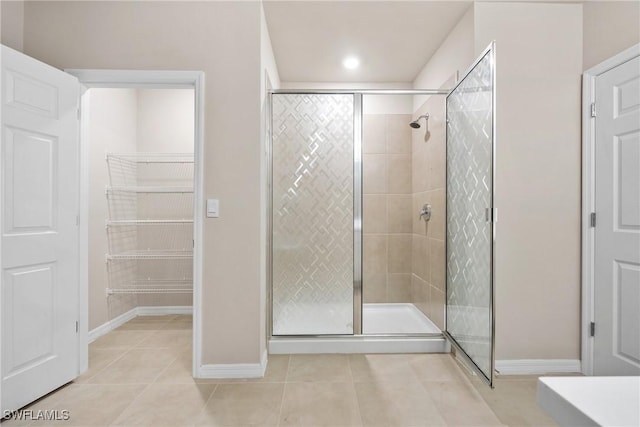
588, 198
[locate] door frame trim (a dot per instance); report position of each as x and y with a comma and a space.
91, 78
589, 199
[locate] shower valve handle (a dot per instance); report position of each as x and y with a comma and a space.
425, 212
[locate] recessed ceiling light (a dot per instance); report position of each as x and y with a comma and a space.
351, 62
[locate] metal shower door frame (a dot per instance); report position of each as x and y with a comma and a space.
357, 198
491, 51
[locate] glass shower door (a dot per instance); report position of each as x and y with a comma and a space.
470, 214
312, 215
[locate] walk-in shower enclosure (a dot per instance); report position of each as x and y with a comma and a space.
316, 212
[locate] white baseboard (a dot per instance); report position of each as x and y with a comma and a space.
235, 370
110, 325
163, 310
537, 366
116, 322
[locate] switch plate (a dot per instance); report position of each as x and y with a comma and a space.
213, 208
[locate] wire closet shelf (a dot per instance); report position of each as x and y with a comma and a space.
150, 223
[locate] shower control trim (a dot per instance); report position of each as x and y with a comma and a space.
425, 212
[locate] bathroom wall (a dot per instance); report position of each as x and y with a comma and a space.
223, 40
386, 165
455, 54
538, 141
12, 20
609, 28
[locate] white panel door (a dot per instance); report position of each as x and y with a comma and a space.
39, 191
617, 233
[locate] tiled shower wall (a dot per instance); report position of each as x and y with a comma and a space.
428, 186
387, 208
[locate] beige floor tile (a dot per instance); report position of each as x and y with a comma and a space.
435, 367
277, 366
93, 404
248, 404
514, 402
460, 404
178, 325
319, 367
182, 321
397, 403
99, 358
162, 318
46, 402
167, 338
121, 339
142, 326
179, 371
320, 404
381, 367
166, 405
136, 366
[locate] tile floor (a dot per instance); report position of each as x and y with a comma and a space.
140, 374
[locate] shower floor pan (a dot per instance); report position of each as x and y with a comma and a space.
395, 319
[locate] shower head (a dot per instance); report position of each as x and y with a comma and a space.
414, 124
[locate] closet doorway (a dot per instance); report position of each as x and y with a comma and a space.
141, 192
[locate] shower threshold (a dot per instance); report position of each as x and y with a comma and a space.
388, 328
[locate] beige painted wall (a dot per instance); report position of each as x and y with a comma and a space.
165, 124
113, 114
223, 40
165, 120
538, 176
609, 28
538, 185
455, 54
11, 23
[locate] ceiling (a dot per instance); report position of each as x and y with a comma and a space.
392, 39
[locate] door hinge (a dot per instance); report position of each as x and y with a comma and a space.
77, 327
77, 219
593, 109
79, 113
592, 219
592, 329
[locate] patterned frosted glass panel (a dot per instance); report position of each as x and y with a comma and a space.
312, 214
469, 194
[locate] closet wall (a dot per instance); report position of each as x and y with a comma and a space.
130, 121
113, 127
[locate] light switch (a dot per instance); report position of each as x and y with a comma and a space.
213, 208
